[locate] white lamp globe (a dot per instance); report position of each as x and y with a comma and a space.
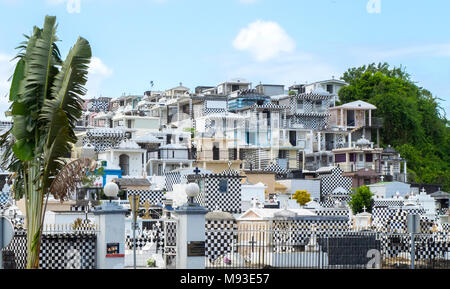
111, 190
192, 190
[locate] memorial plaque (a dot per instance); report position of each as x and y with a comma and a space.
112, 248
196, 249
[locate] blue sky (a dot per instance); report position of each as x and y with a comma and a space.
205, 42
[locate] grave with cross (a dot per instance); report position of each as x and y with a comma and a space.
219, 192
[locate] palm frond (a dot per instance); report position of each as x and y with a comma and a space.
70, 177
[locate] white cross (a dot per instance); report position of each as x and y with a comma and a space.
382, 178
364, 208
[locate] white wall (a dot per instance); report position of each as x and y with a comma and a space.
135, 164
252, 191
66, 218
311, 186
389, 190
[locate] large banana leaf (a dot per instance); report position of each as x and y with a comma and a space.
61, 111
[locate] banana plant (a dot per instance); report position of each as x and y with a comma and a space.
46, 101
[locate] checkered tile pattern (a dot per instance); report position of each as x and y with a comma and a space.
446, 228
18, 247
309, 119
103, 139
426, 225
57, 251
155, 235
173, 178
170, 239
388, 203
274, 167
287, 234
393, 219
333, 212
442, 212
4, 199
340, 141
220, 235
153, 197
428, 246
99, 105
214, 200
334, 181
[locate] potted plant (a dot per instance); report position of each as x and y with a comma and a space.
151, 263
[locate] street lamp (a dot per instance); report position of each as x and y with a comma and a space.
134, 206
111, 190
192, 191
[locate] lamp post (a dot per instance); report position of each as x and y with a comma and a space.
192, 191
134, 205
111, 190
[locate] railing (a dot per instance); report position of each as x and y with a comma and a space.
83, 228
352, 167
265, 249
216, 155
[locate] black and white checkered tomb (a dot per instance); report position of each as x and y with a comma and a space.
153, 197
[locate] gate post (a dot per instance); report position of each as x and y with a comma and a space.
111, 236
413, 229
191, 232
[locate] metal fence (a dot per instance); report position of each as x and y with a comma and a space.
264, 249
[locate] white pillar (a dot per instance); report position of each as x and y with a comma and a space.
406, 172
370, 118
110, 218
319, 142
191, 237
350, 140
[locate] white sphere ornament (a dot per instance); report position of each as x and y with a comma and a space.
192, 190
111, 190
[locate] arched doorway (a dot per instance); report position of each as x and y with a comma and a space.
124, 164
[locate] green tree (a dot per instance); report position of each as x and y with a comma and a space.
414, 122
362, 197
302, 197
46, 103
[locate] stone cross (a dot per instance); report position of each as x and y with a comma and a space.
254, 203
365, 209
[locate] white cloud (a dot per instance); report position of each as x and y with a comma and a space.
98, 72
72, 6
264, 40
297, 68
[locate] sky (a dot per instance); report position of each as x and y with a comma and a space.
207, 42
